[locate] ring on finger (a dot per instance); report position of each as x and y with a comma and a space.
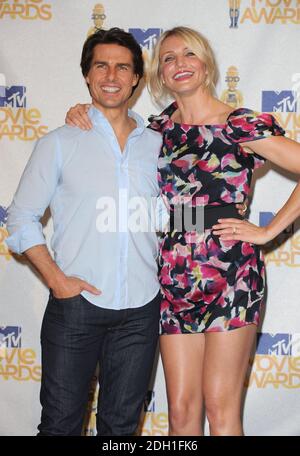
244, 208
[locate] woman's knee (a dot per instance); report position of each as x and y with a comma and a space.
220, 408
182, 412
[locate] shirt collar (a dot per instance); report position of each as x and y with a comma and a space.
99, 120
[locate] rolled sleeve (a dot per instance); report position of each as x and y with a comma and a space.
33, 196
25, 237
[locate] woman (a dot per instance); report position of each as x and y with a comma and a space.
212, 282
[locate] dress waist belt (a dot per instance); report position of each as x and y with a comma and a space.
184, 218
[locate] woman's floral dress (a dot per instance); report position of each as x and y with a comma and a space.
209, 284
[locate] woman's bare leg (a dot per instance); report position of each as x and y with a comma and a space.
225, 366
182, 356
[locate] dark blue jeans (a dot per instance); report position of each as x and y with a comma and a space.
75, 336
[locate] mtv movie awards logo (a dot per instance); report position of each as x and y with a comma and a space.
284, 250
283, 105
17, 121
149, 402
277, 362
4, 252
263, 12
147, 38
89, 425
25, 9
16, 362
152, 422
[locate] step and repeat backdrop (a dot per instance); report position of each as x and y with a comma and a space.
257, 48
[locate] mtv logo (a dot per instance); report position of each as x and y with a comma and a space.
14, 97
284, 101
146, 38
279, 344
2, 84
266, 217
10, 336
3, 215
149, 402
296, 344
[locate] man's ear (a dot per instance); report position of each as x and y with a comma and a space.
87, 80
135, 80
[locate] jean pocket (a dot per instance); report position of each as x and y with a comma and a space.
70, 299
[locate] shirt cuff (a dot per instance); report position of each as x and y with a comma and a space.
25, 238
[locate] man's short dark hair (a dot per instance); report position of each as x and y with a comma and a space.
114, 35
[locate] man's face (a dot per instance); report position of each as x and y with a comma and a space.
111, 76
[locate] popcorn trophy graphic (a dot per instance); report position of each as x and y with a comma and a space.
232, 95
98, 17
234, 12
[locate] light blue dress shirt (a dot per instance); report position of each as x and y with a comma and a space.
81, 175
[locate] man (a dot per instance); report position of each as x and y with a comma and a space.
104, 294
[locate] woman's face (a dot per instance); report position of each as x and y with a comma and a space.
181, 70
